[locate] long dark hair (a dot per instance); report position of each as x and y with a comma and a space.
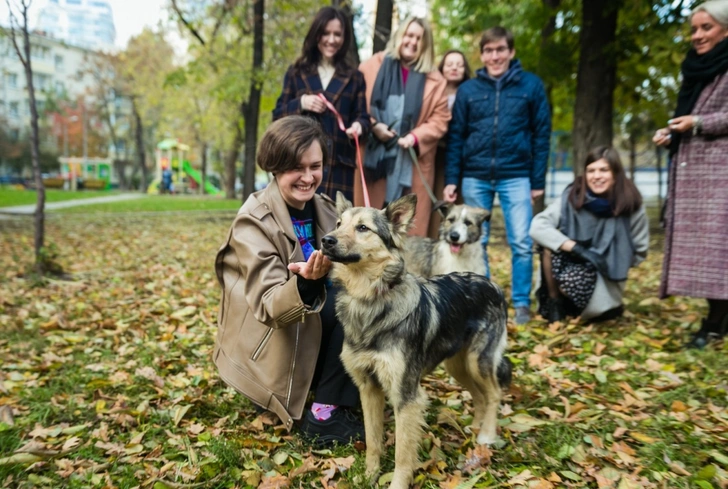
310, 54
623, 197
467, 74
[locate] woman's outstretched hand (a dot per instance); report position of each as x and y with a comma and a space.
316, 267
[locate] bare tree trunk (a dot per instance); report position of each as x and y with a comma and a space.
139, 135
596, 77
547, 32
632, 155
25, 59
203, 170
382, 25
231, 160
251, 108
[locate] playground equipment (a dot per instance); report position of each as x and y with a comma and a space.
171, 155
94, 172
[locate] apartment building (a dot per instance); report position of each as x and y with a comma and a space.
84, 23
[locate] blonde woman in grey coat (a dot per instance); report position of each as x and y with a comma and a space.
590, 237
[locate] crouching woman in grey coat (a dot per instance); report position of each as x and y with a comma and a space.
590, 237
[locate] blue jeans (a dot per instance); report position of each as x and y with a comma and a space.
515, 200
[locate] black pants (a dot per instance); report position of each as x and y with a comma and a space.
331, 384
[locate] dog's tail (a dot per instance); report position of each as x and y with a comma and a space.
504, 373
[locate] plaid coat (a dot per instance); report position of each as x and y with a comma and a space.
346, 91
696, 238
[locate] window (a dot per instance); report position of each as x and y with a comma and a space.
40, 52
14, 109
59, 63
12, 80
60, 88
73, 2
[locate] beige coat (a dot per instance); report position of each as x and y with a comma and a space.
268, 339
430, 127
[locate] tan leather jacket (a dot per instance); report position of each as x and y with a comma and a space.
268, 339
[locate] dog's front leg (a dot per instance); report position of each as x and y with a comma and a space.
409, 419
372, 402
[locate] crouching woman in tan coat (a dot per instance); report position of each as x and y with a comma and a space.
278, 336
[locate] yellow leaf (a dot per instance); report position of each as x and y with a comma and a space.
179, 413
20, 458
184, 312
635, 435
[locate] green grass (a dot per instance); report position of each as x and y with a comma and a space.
157, 203
12, 197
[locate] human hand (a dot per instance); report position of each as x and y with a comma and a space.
662, 137
354, 130
316, 267
450, 193
382, 132
683, 123
599, 262
312, 103
535, 194
407, 141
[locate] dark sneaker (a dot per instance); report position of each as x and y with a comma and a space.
342, 427
523, 315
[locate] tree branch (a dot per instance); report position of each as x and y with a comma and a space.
186, 23
11, 32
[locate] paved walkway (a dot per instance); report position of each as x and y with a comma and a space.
30, 208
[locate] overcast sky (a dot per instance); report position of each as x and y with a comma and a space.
130, 16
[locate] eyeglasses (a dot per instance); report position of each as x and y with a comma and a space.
499, 50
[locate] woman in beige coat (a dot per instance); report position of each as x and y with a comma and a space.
278, 337
401, 119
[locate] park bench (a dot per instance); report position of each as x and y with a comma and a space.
54, 182
94, 184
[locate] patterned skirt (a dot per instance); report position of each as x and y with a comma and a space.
576, 281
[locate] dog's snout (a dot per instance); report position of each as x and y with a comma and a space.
328, 241
454, 236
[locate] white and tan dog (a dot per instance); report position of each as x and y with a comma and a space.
458, 248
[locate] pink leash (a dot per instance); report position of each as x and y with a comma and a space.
331, 107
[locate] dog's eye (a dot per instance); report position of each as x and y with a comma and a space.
450, 219
362, 228
338, 223
468, 223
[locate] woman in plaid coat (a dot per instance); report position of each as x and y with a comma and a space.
322, 69
696, 238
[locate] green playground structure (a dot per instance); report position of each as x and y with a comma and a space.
171, 154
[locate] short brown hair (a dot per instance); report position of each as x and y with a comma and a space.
286, 140
495, 34
623, 197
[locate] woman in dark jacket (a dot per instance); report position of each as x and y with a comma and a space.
322, 68
696, 234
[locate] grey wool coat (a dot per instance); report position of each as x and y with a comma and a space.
696, 234
607, 293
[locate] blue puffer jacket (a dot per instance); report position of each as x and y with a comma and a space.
499, 129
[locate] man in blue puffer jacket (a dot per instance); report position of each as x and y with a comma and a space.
498, 142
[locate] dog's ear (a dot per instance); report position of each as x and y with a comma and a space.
442, 207
481, 215
401, 213
342, 204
